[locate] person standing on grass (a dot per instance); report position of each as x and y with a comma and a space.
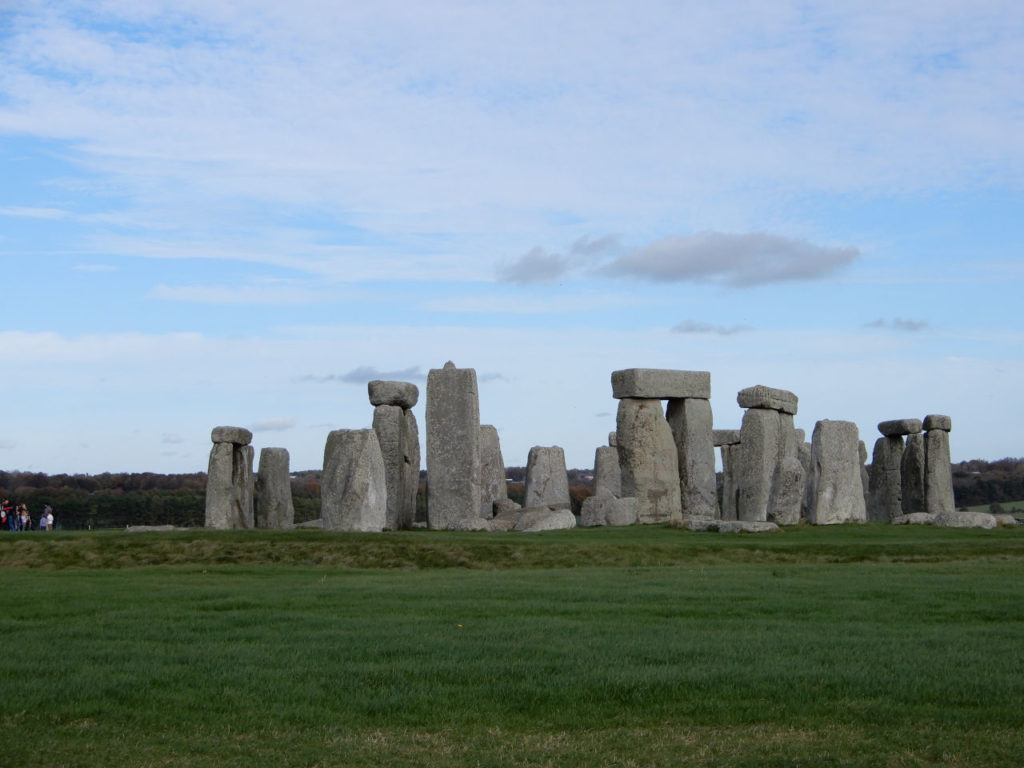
49, 518
45, 518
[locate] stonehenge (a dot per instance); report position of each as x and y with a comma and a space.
657, 468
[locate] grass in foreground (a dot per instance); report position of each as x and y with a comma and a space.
705, 661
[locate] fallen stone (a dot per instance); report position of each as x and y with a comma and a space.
956, 519
236, 435
938, 421
900, 427
1006, 521
353, 488
153, 528
493, 487
547, 483
536, 519
471, 524
273, 506
722, 437
914, 518
648, 460
728, 526
760, 396
318, 523
660, 384
453, 446
607, 510
401, 393
690, 421
839, 492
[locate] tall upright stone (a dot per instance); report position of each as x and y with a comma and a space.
229, 484
453, 446
886, 488
547, 483
398, 437
758, 458
648, 460
492, 471
728, 441
274, 506
912, 475
607, 474
353, 487
938, 473
691, 422
838, 489
411, 485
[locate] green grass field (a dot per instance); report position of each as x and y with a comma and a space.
848, 646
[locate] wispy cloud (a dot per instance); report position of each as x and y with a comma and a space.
534, 266
601, 246
737, 260
364, 374
898, 324
272, 425
34, 213
692, 326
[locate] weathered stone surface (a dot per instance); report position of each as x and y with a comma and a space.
803, 455
759, 456
955, 519
938, 474
912, 475
648, 460
453, 446
318, 523
885, 498
401, 393
547, 484
730, 488
760, 396
236, 435
787, 492
865, 480
613, 440
800, 435
607, 510
411, 458
1005, 520
492, 471
535, 519
722, 437
274, 508
607, 474
471, 524
353, 487
728, 526
914, 518
229, 486
504, 507
938, 421
839, 492
389, 426
691, 423
660, 384
900, 427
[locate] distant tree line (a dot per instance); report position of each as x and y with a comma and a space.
114, 500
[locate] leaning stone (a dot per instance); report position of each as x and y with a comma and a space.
955, 519
914, 518
493, 487
938, 474
886, 486
274, 508
660, 384
400, 393
839, 492
938, 421
787, 492
535, 519
648, 460
547, 483
353, 488
767, 397
759, 456
236, 435
607, 474
690, 421
912, 475
722, 437
900, 427
453, 446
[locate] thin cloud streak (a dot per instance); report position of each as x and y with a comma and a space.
694, 327
898, 324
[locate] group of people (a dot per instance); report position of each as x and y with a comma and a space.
17, 518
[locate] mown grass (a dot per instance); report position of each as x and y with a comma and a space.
849, 647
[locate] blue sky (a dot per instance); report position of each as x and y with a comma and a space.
237, 213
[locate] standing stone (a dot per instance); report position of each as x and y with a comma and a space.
648, 460
886, 488
759, 456
938, 473
691, 422
865, 479
229, 484
787, 492
607, 474
274, 508
453, 446
353, 488
730, 487
492, 471
411, 486
912, 475
547, 483
838, 489
804, 456
389, 424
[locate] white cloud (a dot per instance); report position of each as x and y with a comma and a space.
898, 324
272, 425
693, 326
534, 266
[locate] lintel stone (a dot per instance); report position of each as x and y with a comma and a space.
236, 435
938, 421
760, 396
900, 427
401, 393
660, 384
722, 437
